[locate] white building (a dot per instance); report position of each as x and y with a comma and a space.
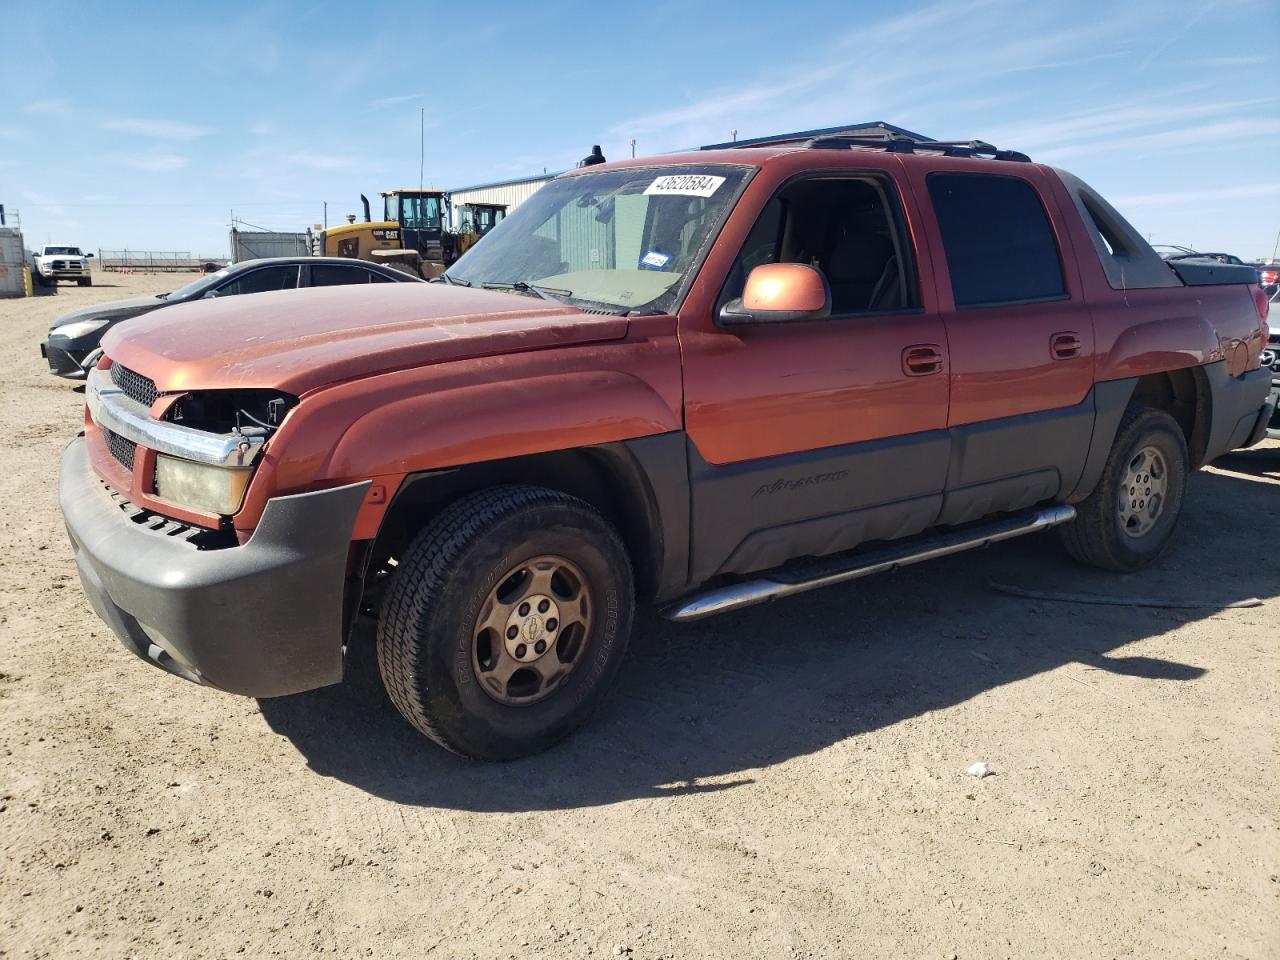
507, 193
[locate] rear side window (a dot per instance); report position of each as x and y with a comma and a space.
998, 241
337, 275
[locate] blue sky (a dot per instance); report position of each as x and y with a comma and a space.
146, 125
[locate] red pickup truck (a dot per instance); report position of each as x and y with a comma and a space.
703, 380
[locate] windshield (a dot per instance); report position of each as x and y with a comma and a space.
620, 238
62, 252
197, 287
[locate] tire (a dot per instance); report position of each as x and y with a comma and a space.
1108, 534
86, 282
442, 665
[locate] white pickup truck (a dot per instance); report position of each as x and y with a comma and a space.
54, 263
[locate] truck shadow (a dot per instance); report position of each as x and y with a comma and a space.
699, 707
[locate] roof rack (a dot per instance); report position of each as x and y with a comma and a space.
897, 144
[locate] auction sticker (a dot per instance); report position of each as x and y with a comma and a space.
684, 185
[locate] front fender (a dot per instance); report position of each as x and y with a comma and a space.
491, 421
385, 427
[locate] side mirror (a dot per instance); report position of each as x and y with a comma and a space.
88, 254
780, 293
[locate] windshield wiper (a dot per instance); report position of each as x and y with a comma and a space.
454, 281
546, 293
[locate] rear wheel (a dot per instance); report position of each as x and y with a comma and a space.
1131, 515
506, 622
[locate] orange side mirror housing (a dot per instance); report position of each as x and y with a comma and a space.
780, 293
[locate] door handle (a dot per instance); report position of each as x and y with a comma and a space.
1065, 345
922, 359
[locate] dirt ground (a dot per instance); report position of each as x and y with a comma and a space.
783, 782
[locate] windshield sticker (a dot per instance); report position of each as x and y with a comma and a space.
654, 260
684, 185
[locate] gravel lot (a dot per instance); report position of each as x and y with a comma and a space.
784, 782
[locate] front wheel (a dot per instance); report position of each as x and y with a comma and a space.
506, 621
1130, 516
85, 282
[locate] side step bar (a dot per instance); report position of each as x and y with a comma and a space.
785, 582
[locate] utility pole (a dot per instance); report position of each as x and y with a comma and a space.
633, 148
326, 214
422, 142
733, 135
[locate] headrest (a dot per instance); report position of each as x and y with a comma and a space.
859, 258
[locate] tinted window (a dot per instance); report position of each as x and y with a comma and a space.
379, 278
260, 281
336, 275
1000, 247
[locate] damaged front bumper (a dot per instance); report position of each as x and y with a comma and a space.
263, 619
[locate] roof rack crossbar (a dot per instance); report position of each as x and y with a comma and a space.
896, 144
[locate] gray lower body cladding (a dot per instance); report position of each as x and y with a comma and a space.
1241, 407
263, 619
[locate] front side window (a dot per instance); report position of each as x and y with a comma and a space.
846, 228
259, 281
618, 239
998, 241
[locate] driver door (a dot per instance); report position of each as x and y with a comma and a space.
809, 438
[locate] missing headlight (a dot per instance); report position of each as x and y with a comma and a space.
233, 411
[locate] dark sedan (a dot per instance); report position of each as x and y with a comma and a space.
72, 346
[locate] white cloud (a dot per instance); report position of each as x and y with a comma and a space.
1250, 191
149, 162
1209, 135
326, 163
49, 105
262, 129
160, 129
904, 66
392, 101
1122, 119
1186, 24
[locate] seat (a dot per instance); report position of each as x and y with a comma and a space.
856, 270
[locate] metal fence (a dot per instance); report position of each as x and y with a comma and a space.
257, 244
154, 261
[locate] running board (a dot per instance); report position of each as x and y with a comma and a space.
785, 582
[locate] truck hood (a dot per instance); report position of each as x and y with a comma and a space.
300, 340
111, 310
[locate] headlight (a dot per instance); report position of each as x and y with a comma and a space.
201, 486
78, 329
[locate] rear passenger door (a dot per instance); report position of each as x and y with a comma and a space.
1020, 337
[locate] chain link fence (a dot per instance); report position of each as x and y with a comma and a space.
155, 261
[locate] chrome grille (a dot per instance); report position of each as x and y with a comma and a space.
134, 385
121, 448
